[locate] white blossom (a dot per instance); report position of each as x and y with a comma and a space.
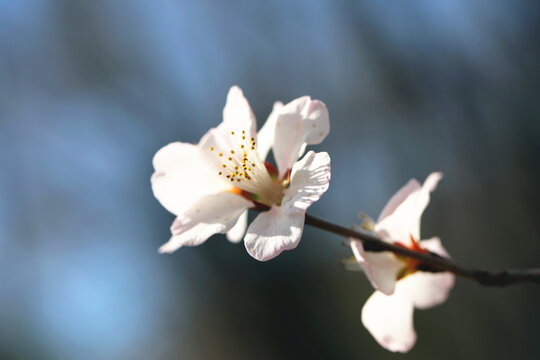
211, 185
400, 286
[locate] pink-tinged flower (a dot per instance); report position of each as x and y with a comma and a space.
388, 313
210, 186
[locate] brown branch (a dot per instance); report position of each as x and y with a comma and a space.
430, 262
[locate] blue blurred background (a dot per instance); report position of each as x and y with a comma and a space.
90, 90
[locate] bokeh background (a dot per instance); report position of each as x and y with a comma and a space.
90, 90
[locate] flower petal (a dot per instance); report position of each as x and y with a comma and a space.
310, 178
196, 235
434, 245
215, 142
224, 208
399, 197
272, 232
236, 234
267, 132
212, 214
426, 289
389, 319
381, 268
350, 264
405, 219
302, 121
237, 114
181, 177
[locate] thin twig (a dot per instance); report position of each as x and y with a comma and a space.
430, 262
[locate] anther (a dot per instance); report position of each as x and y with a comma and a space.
211, 148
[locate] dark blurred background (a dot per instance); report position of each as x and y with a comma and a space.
90, 90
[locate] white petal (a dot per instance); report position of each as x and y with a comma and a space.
396, 200
224, 208
426, 289
196, 235
181, 177
237, 114
237, 232
267, 132
310, 178
350, 264
219, 141
214, 142
212, 214
381, 268
434, 245
390, 320
302, 121
405, 219
272, 232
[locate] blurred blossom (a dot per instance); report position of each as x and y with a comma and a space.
400, 283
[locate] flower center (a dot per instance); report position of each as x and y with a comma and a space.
410, 265
241, 164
